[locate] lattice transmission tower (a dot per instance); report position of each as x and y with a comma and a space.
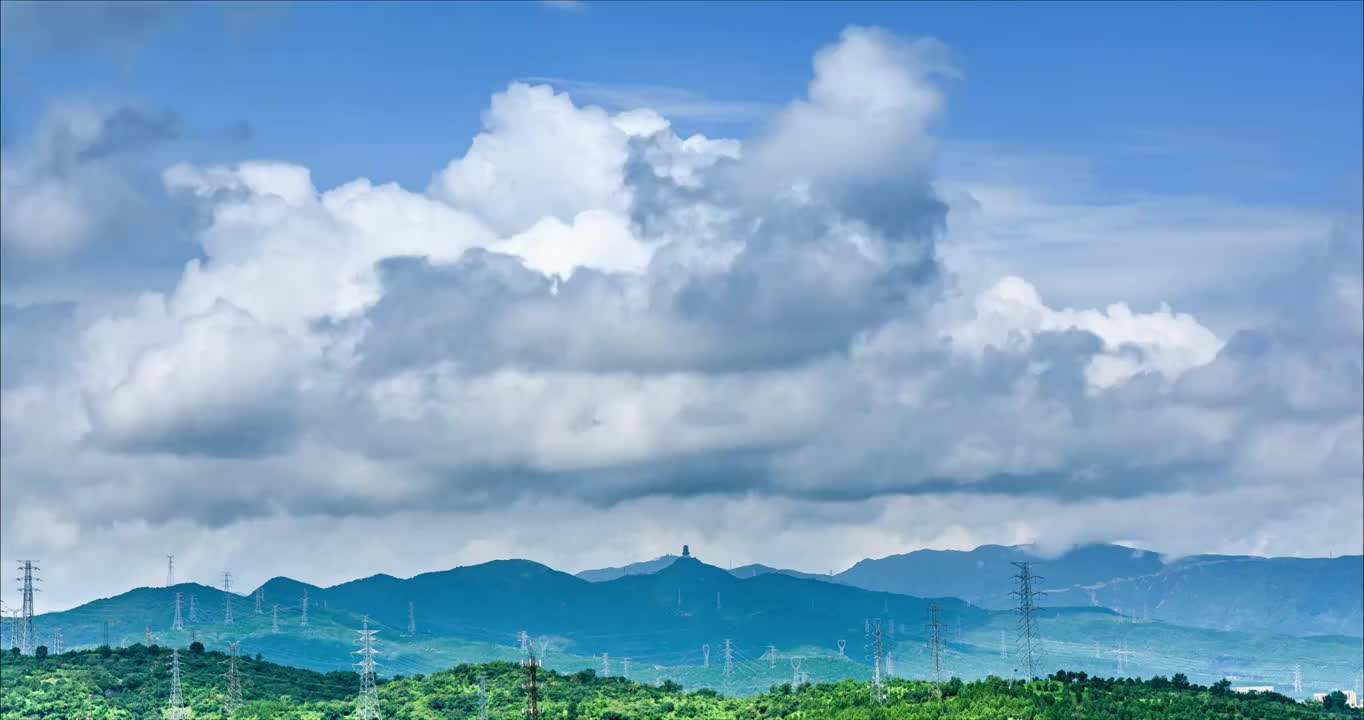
367, 703
234, 682
27, 578
878, 691
935, 640
1029, 640
532, 665
227, 598
175, 706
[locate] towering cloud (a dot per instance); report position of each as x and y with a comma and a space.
588, 310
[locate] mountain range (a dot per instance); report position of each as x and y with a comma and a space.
680, 621
1296, 596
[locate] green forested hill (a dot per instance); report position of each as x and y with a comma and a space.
473, 615
134, 683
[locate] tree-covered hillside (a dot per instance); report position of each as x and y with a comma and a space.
134, 682
664, 621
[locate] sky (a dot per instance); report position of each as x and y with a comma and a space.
326, 290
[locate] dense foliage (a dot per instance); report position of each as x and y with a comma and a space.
134, 683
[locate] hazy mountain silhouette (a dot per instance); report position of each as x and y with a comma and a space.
1299, 596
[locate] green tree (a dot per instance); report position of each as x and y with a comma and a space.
1334, 701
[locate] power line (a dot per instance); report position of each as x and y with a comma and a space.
1027, 594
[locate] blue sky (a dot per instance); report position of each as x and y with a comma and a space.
1152, 92
801, 283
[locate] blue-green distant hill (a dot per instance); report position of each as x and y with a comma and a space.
661, 621
1294, 596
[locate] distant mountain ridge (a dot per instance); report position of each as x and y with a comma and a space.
663, 616
649, 567
1297, 596
664, 622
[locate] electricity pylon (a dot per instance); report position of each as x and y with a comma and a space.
26, 638
175, 707
877, 691
729, 666
1029, 643
234, 683
367, 703
227, 598
532, 687
935, 640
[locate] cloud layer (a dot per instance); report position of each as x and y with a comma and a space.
594, 317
